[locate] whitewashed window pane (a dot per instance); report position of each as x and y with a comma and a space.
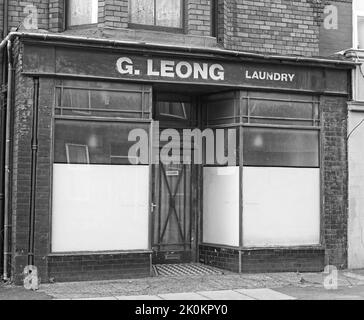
361, 32
142, 11
82, 12
358, 5
168, 13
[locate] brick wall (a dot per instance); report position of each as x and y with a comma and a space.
116, 13
276, 27
99, 266
335, 40
20, 167
198, 17
18, 12
56, 15
279, 26
335, 180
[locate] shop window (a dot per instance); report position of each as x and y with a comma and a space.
160, 14
281, 147
81, 12
281, 131
100, 195
93, 142
100, 100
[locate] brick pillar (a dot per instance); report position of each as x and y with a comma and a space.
56, 15
116, 13
198, 17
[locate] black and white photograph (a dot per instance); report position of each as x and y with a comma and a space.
185, 156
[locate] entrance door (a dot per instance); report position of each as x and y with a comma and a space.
172, 214
174, 188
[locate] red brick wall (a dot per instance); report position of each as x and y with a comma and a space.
335, 176
335, 40
198, 17
277, 27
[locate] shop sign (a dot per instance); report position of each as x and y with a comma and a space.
171, 68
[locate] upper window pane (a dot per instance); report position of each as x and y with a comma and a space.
168, 13
142, 11
81, 12
360, 32
103, 99
160, 13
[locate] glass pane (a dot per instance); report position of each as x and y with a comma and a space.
142, 11
179, 110
93, 142
281, 147
281, 109
77, 99
221, 112
169, 13
360, 32
82, 12
93, 100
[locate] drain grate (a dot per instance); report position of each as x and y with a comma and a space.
190, 269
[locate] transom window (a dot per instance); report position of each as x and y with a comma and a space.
100, 99
157, 13
81, 12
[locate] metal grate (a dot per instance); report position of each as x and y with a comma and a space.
190, 269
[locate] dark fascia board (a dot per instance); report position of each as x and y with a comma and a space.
213, 53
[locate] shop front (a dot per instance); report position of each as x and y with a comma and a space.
152, 155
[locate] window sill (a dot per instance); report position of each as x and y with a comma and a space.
81, 26
160, 37
93, 253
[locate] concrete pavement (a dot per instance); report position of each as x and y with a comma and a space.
228, 286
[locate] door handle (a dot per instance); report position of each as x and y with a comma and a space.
152, 207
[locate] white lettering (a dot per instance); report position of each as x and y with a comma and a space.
291, 76
124, 65
167, 68
188, 70
150, 70
200, 71
219, 75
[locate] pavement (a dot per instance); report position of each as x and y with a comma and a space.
347, 285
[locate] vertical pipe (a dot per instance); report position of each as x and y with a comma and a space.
33, 177
7, 162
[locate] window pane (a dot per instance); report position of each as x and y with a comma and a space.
124, 101
281, 147
178, 110
142, 11
360, 32
93, 142
169, 13
82, 12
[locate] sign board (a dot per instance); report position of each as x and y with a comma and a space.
171, 68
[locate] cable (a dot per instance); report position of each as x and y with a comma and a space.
356, 127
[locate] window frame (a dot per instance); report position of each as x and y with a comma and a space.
66, 25
155, 27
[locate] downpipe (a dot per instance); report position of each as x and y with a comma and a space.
7, 225
33, 177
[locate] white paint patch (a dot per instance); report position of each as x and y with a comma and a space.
356, 192
221, 205
100, 208
281, 206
